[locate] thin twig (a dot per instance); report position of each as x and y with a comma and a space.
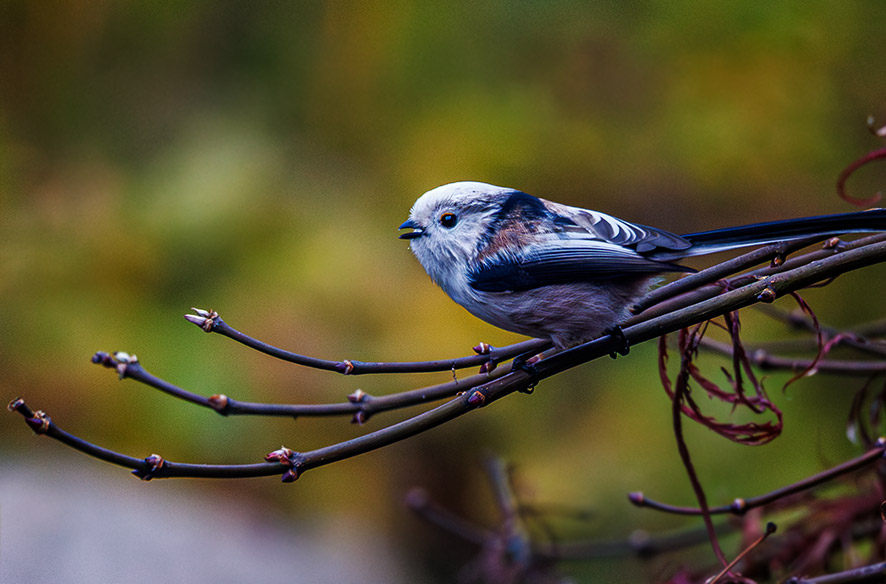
741, 506
870, 574
359, 404
210, 321
854, 338
770, 529
765, 360
154, 466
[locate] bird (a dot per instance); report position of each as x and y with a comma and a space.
567, 274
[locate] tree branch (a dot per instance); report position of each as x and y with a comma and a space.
741, 506
765, 286
487, 355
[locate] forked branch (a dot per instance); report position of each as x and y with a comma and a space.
688, 308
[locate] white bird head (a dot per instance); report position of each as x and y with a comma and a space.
449, 224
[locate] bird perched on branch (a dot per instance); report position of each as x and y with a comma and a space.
567, 274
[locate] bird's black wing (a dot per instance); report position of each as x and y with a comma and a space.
563, 262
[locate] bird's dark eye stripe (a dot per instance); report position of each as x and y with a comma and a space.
448, 220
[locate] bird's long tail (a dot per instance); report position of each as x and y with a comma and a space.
705, 242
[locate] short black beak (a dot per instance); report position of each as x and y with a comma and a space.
416, 230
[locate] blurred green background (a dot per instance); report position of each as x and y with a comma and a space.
257, 158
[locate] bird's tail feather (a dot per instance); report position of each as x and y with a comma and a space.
705, 242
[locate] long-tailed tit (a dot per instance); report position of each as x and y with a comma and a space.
563, 273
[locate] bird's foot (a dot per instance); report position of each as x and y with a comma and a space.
623, 346
526, 363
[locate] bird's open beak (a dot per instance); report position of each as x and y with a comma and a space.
416, 230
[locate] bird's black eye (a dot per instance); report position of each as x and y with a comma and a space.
448, 220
